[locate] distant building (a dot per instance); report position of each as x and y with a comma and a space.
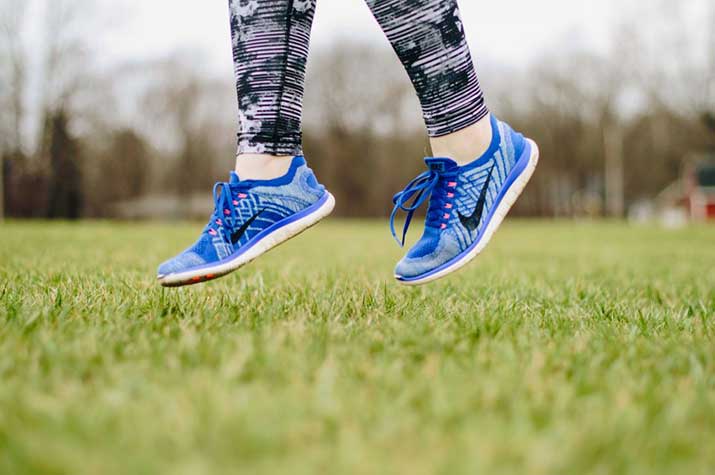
699, 181
694, 193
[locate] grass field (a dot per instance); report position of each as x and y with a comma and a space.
568, 348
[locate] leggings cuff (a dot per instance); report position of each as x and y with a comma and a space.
289, 145
456, 120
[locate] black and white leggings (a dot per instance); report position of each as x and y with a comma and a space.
270, 50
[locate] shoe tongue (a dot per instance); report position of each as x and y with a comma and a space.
441, 164
234, 180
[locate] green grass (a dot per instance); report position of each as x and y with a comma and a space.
567, 348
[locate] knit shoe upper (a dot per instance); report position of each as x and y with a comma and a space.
244, 210
461, 202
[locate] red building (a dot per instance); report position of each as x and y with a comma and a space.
699, 190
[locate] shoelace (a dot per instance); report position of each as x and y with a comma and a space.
224, 210
429, 184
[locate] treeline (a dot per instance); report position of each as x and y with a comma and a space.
148, 139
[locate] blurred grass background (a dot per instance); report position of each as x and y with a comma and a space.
566, 348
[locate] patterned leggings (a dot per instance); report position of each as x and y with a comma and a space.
270, 51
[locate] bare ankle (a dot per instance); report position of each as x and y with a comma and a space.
466, 145
262, 167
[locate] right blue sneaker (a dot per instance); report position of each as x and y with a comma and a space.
466, 205
250, 218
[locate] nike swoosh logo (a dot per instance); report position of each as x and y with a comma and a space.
472, 222
238, 234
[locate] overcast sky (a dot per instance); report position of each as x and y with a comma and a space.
508, 31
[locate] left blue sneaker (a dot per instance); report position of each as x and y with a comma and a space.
251, 217
466, 205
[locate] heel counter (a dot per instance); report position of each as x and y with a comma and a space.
310, 182
519, 144
514, 140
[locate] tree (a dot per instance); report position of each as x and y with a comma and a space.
183, 108
65, 185
12, 85
362, 124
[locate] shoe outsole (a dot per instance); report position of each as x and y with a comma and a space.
283, 231
506, 203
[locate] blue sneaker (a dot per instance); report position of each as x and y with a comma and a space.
466, 205
251, 217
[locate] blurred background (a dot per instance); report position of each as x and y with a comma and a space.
127, 109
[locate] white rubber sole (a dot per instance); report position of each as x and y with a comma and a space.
276, 238
501, 212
